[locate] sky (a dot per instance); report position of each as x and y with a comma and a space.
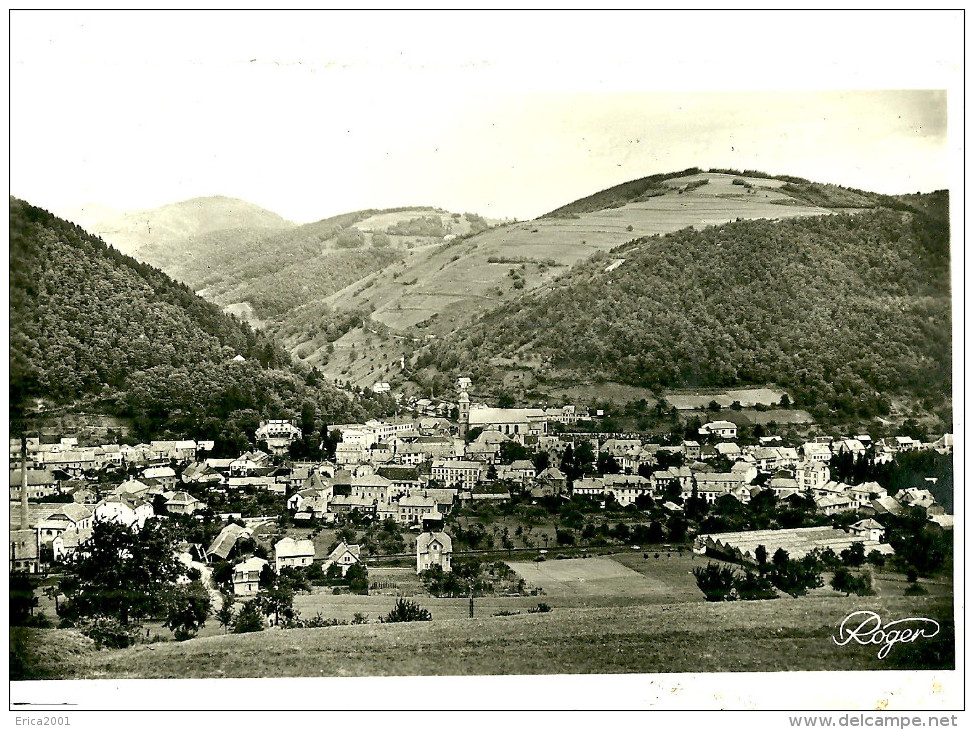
506, 115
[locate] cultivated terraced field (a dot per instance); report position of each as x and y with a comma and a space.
441, 288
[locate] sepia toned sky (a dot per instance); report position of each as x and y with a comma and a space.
507, 115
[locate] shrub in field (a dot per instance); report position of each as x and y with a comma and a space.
542, 608
109, 633
406, 611
716, 582
845, 581
915, 589
754, 587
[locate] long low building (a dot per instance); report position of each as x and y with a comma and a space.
797, 542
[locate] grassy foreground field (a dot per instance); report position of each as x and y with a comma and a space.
766, 636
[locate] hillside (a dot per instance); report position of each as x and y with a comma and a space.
843, 311
130, 231
754, 636
91, 327
439, 289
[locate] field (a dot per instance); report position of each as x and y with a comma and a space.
747, 397
605, 576
438, 289
763, 636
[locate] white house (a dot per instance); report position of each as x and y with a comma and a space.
720, 429
246, 576
433, 548
291, 553
344, 556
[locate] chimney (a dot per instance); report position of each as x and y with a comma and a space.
24, 512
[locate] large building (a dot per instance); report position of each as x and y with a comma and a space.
515, 422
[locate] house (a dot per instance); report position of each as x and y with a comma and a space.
552, 481
62, 518
691, 449
523, 470
886, 505
412, 507
945, 444
721, 480
816, 451
811, 475
830, 504
67, 543
588, 486
40, 483
728, 449
868, 529
343, 505
747, 471
766, 458
162, 474
862, 495
720, 429
246, 576
854, 447
183, 503
783, 486
24, 551
224, 543
434, 548
291, 553
344, 556
128, 511
457, 473
626, 488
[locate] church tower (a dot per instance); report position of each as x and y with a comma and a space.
464, 402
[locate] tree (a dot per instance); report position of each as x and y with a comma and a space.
845, 581
761, 556
855, 555
22, 598
608, 465
250, 618
277, 600
187, 609
406, 611
122, 572
716, 581
226, 613
267, 577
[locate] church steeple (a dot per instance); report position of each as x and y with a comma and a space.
464, 401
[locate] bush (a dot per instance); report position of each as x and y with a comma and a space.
406, 611
110, 633
542, 608
845, 581
915, 589
754, 587
716, 582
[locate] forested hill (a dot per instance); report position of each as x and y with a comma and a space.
845, 311
91, 325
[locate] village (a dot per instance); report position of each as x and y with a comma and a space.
495, 487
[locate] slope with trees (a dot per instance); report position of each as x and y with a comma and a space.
94, 329
844, 311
